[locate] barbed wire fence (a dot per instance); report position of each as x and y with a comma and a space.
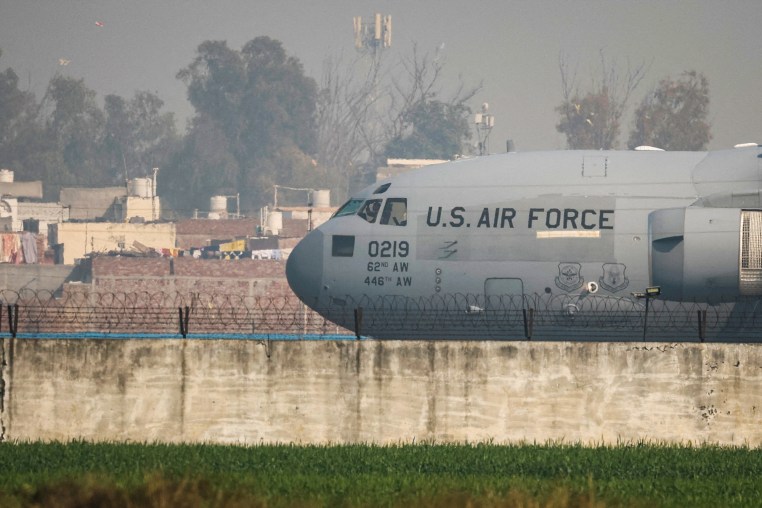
503, 317
158, 313
550, 317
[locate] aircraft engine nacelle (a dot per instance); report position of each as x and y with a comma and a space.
707, 254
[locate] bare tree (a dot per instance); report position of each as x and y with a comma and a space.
422, 116
348, 126
592, 120
366, 103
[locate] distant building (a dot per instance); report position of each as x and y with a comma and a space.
9, 187
35, 217
141, 202
74, 240
137, 201
11, 217
91, 203
203, 232
296, 221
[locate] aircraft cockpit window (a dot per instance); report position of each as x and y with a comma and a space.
382, 188
395, 212
349, 208
370, 209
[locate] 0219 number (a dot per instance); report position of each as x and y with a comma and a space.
388, 249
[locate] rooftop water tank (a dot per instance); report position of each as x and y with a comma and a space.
321, 198
218, 204
6, 176
140, 187
274, 222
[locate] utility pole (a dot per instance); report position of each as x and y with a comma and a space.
484, 123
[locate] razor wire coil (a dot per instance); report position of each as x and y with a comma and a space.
440, 315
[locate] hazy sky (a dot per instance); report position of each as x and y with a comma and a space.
512, 46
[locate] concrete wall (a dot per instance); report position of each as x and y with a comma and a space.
149, 208
46, 213
22, 189
86, 203
41, 278
380, 391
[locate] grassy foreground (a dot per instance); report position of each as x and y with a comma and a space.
482, 475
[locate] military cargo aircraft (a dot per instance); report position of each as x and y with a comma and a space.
497, 245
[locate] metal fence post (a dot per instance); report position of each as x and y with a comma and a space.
701, 324
358, 322
645, 320
13, 319
184, 320
528, 323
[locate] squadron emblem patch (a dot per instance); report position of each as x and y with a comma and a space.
569, 278
613, 278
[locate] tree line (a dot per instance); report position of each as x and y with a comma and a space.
671, 116
66, 139
261, 121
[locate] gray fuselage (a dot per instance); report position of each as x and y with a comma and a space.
545, 223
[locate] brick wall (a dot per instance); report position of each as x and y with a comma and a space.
107, 266
198, 232
244, 277
223, 228
112, 294
238, 269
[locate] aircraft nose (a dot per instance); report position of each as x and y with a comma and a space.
304, 268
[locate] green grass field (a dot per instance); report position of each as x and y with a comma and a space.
482, 475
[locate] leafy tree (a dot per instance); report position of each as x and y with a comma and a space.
75, 127
138, 136
673, 115
36, 156
204, 166
13, 104
591, 120
50, 140
437, 131
421, 124
16, 108
67, 139
118, 134
263, 105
